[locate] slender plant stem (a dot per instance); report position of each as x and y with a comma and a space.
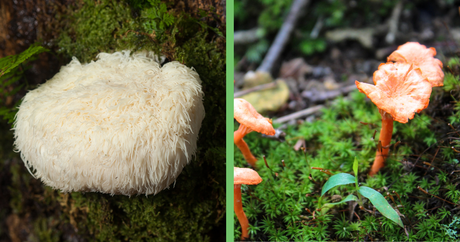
360, 198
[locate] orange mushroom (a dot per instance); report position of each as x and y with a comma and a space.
243, 176
250, 120
400, 90
421, 57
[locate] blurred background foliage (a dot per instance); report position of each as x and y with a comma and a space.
309, 39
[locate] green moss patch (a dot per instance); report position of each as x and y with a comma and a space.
420, 178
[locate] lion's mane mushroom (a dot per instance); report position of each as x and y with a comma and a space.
250, 120
119, 125
400, 91
243, 176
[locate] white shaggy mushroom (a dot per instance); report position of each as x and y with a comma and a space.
119, 125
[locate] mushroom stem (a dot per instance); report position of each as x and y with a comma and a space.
241, 132
244, 148
238, 207
385, 138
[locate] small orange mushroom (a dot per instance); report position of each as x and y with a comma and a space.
250, 120
243, 176
421, 57
408, 94
399, 92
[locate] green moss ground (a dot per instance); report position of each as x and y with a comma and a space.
280, 208
193, 209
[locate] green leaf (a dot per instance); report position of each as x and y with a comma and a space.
350, 197
355, 167
380, 204
336, 180
10, 62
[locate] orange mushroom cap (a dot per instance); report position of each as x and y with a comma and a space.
247, 115
400, 90
245, 176
423, 58
384, 68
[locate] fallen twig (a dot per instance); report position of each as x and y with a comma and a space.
393, 22
283, 35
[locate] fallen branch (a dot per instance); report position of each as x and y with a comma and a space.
283, 35
393, 22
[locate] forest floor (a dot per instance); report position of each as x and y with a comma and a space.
423, 167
